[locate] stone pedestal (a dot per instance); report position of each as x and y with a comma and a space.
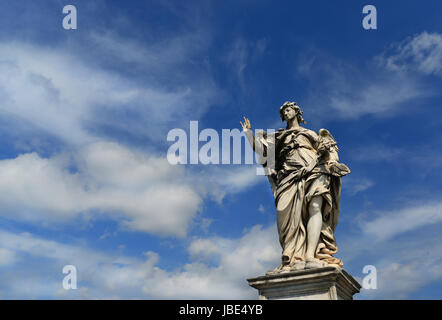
326, 283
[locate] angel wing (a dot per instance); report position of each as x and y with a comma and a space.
328, 149
327, 145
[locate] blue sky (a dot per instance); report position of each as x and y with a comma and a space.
85, 114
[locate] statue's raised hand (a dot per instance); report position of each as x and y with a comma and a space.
246, 125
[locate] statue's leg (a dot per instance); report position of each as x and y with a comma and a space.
314, 226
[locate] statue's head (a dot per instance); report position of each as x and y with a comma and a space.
293, 106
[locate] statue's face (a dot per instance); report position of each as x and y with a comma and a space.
288, 113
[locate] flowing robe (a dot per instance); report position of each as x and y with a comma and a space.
299, 173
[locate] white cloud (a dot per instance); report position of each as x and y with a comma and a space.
399, 280
242, 54
422, 53
102, 275
160, 58
41, 276
379, 96
402, 266
142, 192
238, 57
220, 267
218, 181
389, 224
354, 185
61, 92
377, 88
56, 92
6, 257
236, 179
403, 247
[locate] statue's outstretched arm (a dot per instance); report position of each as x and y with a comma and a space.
260, 143
264, 146
247, 129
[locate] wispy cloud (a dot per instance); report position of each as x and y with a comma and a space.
7, 257
61, 92
218, 269
389, 224
354, 185
377, 88
126, 185
421, 53
142, 192
242, 54
402, 247
402, 266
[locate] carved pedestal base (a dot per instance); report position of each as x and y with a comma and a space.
326, 283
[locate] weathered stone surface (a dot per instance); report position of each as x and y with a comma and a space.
328, 283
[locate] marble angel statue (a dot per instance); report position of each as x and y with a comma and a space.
305, 177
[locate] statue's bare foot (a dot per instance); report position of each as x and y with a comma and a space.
271, 272
283, 267
286, 268
313, 263
298, 265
